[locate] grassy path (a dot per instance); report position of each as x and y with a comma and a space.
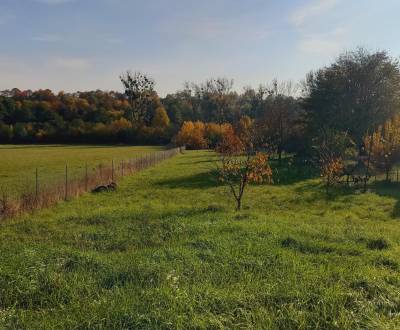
167, 252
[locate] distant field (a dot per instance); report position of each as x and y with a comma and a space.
18, 162
166, 251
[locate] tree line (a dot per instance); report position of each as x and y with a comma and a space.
335, 113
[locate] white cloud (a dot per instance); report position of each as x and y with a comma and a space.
326, 44
71, 63
312, 9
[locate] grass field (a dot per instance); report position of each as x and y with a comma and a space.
167, 251
18, 162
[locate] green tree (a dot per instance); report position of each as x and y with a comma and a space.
359, 91
139, 89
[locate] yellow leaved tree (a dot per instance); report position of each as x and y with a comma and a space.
384, 146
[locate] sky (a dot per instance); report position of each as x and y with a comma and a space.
77, 45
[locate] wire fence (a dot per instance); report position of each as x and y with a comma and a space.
393, 176
44, 194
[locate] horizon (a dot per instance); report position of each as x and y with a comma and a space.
64, 49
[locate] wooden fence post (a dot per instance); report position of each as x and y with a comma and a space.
86, 177
112, 170
66, 182
36, 184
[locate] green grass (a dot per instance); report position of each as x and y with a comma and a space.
18, 162
167, 251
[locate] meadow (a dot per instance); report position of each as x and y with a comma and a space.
168, 251
18, 163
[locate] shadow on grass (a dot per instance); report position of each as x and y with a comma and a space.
209, 161
197, 181
316, 248
389, 189
317, 192
287, 172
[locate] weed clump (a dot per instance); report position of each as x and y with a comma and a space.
289, 242
214, 208
386, 263
378, 244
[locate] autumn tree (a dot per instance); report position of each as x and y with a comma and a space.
215, 132
192, 135
230, 145
332, 150
331, 171
240, 164
246, 132
384, 145
160, 120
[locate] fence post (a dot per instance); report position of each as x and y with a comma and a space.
66, 182
112, 170
36, 183
122, 168
86, 177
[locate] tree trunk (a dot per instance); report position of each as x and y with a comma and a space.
280, 157
368, 164
238, 204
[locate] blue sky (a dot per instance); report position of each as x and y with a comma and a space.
85, 44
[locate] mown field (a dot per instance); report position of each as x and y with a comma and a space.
167, 251
18, 163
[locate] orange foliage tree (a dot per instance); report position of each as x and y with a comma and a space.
192, 135
331, 171
240, 164
199, 135
215, 132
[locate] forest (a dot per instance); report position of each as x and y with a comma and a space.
347, 110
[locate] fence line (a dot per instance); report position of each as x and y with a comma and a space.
68, 188
394, 176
